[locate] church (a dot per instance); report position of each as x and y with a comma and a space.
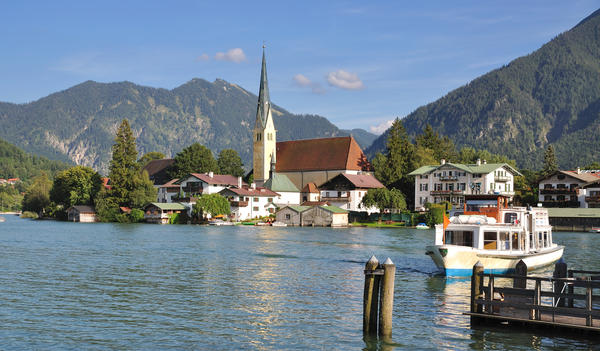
300, 161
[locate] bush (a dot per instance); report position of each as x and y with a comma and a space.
136, 215
29, 214
436, 214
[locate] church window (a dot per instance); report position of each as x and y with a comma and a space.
270, 136
258, 136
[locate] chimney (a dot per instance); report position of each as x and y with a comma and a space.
578, 170
479, 162
443, 162
239, 182
484, 162
210, 174
253, 185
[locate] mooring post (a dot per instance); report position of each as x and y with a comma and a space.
537, 299
476, 284
570, 288
371, 297
588, 303
560, 271
520, 270
386, 303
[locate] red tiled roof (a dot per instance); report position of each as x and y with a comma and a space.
105, 182
320, 154
363, 180
217, 179
170, 183
310, 188
245, 191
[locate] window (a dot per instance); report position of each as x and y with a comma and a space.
255, 199
504, 241
489, 240
270, 199
510, 218
258, 136
255, 208
288, 216
425, 186
458, 237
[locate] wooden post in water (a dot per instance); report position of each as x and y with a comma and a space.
560, 271
476, 284
386, 303
570, 288
588, 304
371, 297
520, 270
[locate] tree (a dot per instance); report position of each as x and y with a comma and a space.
550, 164
229, 162
441, 147
37, 196
195, 158
214, 204
398, 157
75, 186
383, 198
150, 156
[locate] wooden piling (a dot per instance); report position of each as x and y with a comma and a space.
560, 271
476, 284
520, 270
588, 305
371, 297
386, 303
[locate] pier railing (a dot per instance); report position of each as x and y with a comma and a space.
565, 300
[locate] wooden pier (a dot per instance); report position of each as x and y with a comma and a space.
565, 301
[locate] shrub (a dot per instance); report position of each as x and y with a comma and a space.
136, 215
29, 214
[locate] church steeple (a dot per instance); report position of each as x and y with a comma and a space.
264, 130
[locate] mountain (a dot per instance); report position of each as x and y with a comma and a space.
362, 137
79, 124
551, 96
16, 163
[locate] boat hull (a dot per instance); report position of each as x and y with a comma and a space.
459, 260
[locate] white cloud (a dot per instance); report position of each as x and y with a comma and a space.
203, 57
345, 80
382, 127
301, 80
304, 81
233, 55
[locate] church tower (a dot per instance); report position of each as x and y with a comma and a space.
264, 131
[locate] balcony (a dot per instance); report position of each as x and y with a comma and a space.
336, 198
238, 203
448, 177
186, 199
592, 199
501, 179
561, 203
562, 191
447, 192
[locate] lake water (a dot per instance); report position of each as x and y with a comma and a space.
110, 286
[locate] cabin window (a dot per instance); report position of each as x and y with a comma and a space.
504, 241
489, 240
531, 241
546, 240
457, 237
515, 241
510, 218
288, 216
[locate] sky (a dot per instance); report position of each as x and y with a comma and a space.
359, 63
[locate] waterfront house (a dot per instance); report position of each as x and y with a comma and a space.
81, 213
168, 191
310, 193
324, 216
291, 215
452, 181
250, 202
347, 191
194, 185
289, 194
160, 213
590, 195
564, 188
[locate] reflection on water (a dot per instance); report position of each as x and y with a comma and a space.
111, 286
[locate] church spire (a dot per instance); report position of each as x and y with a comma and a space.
264, 105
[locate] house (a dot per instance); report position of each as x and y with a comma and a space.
316, 216
13, 181
324, 216
302, 161
590, 195
250, 202
310, 193
158, 170
563, 188
289, 194
347, 191
207, 183
452, 181
168, 191
291, 215
158, 212
81, 213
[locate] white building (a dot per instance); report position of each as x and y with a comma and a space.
347, 191
289, 194
590, 195
451, 181
565, 188
250, 202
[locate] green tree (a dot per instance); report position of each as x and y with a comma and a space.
594, 165
441, 147
75, 186
195, 158
150, 156
550, 164
383, 198
229, 162
398, 157
213, 204
37, 196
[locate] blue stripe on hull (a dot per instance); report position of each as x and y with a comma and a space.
465, 272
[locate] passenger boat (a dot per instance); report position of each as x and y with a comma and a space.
496, 235
595, 230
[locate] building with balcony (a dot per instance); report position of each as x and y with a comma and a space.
452, 181
589, 194
347, 191
250, 202
565, 188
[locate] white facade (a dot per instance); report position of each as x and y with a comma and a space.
348, 200
565, 189
287, 198
450, 182
249, 203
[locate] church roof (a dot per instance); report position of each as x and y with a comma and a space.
339, 153
280, 182
262, 111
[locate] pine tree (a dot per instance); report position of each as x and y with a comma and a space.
550, 164
230, 163
399, 156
